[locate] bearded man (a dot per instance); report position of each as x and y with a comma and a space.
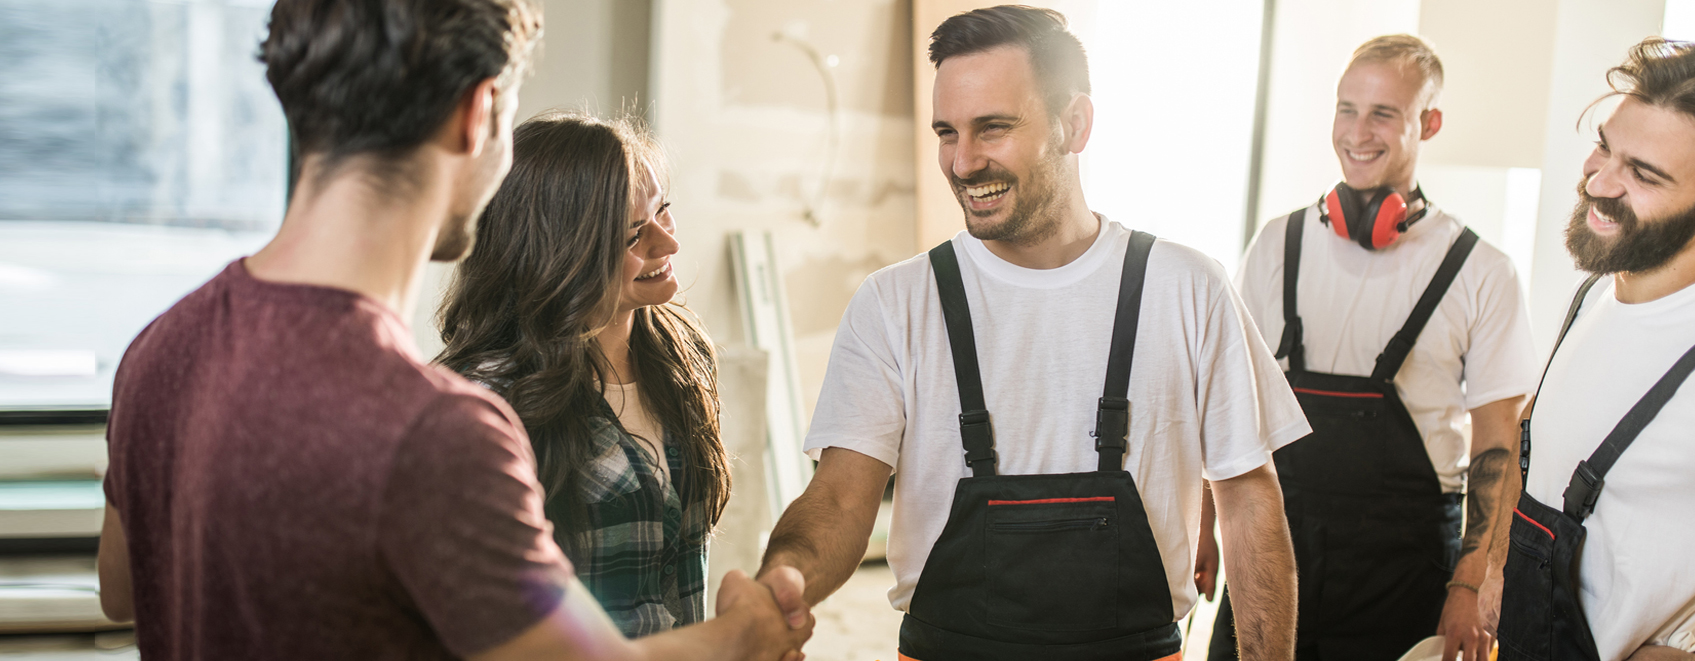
976, 372
1599, 563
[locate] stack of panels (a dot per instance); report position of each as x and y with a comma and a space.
51, 508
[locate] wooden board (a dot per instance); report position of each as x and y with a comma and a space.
765, 321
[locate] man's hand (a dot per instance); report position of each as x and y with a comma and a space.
768, 636
1464, 627
1659, 653
1206, 549
788, 586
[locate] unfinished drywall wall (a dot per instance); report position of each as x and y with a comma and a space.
743, 117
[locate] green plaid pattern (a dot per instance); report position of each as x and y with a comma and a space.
645, 552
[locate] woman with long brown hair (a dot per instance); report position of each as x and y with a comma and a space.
564, 308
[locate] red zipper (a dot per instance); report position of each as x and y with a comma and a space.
1047, 501
1534, 523
1333, 393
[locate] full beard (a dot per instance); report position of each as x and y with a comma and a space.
1031, 219
1639, 247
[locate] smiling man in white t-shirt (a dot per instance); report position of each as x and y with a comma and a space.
1600, 566
1036, 513
1374, 495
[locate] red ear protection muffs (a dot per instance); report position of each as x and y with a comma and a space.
1372, 218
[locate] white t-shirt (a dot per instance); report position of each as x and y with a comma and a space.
1352, 301
1206, 395
1638, 568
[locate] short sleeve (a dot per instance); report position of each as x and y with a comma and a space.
462, 526
1500, 362
1247, 409
1259, 278
862, 405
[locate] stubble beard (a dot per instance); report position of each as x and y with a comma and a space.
1639, 247
1032, 218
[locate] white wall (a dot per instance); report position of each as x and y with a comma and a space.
1312, 42
1589, 38
743, 117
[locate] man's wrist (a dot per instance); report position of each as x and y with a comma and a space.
1452, 585
1472, 568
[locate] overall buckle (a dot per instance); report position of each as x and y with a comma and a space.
1112, 424
1397, 346
1583, 491
978, 437
1524, 447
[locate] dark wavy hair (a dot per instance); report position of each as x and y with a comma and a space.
523, 310
1659, 73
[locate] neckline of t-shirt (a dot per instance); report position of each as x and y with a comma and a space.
1657, 308
1076, 271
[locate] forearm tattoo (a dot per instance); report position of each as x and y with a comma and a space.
1482, 488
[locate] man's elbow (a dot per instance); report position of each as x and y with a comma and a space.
117, 591
116, 609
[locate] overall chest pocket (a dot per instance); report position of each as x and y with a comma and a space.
1052, 565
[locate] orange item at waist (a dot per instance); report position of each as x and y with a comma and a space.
1175, 657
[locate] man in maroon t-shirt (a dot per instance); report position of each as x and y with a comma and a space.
289, 479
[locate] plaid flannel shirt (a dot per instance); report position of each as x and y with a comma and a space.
644, 556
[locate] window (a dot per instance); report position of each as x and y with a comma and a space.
141, 149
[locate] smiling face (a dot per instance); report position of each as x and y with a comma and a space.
648, 277
1003, 153
1636, 205
1381, 116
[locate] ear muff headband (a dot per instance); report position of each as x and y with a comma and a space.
1374, 222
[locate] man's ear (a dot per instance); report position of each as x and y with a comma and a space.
1078, 122
1432, 122
476, 117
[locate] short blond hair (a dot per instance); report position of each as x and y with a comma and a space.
1405, 50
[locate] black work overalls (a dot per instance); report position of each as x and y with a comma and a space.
1375, 538
1059, 567
1541, 614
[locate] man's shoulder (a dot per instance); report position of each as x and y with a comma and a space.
1265, 253
914, 270
1172, 258
453, 396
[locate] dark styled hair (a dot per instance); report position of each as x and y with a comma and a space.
523, 310
1056, 56
1659, 73
381, 76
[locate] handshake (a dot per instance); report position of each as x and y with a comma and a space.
771, 613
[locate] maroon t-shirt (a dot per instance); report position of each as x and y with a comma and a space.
296, 484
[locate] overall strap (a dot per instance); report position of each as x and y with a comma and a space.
1524, 425
1389, 362
974, 429
1293, 346
1112, 418
1590, 476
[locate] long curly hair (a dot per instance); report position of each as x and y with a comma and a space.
523, 310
